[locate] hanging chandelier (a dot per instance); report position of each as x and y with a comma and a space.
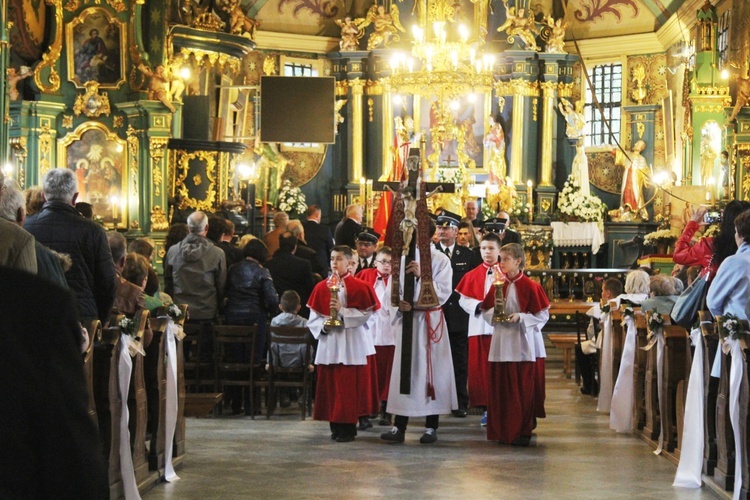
444, 64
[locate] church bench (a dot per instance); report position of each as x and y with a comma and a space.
678, 361
156, 392
724, 470
94, 330
640, 372
711, 390
566, 342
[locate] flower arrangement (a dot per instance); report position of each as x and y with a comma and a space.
731, 326
573, 203
128, 326
662, 236
711, 231
627, 311
174, 312
655, 321
291, 199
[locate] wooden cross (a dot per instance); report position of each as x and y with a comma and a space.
406, 231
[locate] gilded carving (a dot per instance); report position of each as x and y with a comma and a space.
517, 86
50, 58
118, 121
213, 59
549, 89
641, 128
269, 66
374, 87
45, 149
370, 110
183, 167
72, 5
197, 179
67, 121
341, 88
132, 139
157, 147
91, 103
534, 110
158, 219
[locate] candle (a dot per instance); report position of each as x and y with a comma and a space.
113, 200
530, 198
362, 200
711, 188
368, 197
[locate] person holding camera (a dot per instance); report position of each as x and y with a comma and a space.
709, 252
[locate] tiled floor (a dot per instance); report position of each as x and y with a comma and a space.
575, 456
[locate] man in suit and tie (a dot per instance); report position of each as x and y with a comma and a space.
462, 261
508, 235
367, 241
318, 236
349, 227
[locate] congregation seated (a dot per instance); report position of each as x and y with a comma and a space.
145, 247
637, 287
662, 296
135, 271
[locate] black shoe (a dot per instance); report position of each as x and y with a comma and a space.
393, 436
345, 439
364, 424
334, 436
429, 436
460, 413
521, 441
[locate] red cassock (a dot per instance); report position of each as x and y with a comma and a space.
517, 388
345, 390
383, 353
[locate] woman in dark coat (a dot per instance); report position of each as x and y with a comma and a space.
251, 299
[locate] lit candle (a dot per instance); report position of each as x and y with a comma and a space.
711, 189
487, 191
113, 200
530, 197
369, 201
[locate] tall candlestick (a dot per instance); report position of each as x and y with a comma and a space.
530, 198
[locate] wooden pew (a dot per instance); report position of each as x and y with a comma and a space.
639, 373
138, 409
178, 448
650, 399
109, 404
711, 391
94, 330
156, 393
677, 363
724, 470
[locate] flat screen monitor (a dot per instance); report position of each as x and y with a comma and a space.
297, 109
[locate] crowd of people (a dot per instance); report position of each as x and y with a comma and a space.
461, 358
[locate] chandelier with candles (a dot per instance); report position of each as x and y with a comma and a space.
445, 64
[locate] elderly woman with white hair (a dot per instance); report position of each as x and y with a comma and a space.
637, 287
663, 295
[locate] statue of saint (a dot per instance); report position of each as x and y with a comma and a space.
574, 118
350, 34
708, 159
494, 141
556, 41
520, 23
634, 179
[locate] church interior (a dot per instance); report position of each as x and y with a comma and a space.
597, 126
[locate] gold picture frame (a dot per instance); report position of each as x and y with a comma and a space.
188, 180
98, 157
96, 49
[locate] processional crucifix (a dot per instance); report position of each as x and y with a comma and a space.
407, 230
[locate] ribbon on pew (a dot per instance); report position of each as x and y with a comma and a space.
621, 411
656, 338
690, 468
173, 332
733, 348
605, 374
128, 344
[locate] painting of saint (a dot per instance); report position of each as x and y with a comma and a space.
94, 49
466, 120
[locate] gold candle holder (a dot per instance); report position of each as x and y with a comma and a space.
498, 281
334, 285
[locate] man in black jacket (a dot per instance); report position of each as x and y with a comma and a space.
50, 447
367, 241
349, 227
304, 251
61, 228
463, 260
319, 237
290, 272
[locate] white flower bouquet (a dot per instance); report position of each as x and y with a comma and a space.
662, 236
291, 199
572, 202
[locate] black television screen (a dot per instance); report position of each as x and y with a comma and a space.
297, 109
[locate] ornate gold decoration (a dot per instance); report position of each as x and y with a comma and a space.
70, 29
707, 108
133, 147
137, 79
158, 219
72, 5
183, 167
20, 152
118, 5
711, 90
565, 89
67, 121
91, 103
549, 89
157, 147
208, 21
209, 58
641, 128
134, 225
341, 89
370, 110
197, 179
269, 66
386, 23
545, 205
45, 149
49, 58
639, 92
521, 25
374, 87
534, 110
517, 87
118, 121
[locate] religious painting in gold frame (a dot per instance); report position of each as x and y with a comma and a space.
95, 43
98, 157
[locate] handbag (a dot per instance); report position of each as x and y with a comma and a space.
689, 302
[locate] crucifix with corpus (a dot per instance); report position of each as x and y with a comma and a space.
408, 231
